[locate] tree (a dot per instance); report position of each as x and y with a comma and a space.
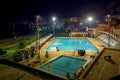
22, 44
18, 56
2, 51
26, 53
32, 54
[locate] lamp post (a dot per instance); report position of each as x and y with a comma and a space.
108, 19
37, 39
90, 19
14, 33
15, 36
53, 19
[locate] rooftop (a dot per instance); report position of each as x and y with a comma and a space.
106, 70
12, 73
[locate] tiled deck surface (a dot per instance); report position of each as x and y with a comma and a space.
105, 70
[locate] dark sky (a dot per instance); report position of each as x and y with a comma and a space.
11, 10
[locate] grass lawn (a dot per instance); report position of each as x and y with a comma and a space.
9, 54
11, 47
6, 43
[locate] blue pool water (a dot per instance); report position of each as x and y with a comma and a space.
71, 44
63, 64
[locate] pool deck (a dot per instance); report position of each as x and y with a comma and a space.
55, 53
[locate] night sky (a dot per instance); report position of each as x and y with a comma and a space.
15, 11
12, 10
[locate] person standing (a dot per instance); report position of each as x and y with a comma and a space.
67, 75
46, 55
57, 48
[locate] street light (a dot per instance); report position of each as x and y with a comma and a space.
53, 19
108, 19
90, 19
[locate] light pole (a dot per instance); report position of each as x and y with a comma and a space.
108, 19
53, 19
90, 19
14, 33
37, 39
15, 36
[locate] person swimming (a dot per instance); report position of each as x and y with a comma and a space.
48, 66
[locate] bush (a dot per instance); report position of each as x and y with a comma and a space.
17, 57
2, 51
32, 55
22, 44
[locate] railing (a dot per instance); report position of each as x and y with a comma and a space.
42, 41
104, 39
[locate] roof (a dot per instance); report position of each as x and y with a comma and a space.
12, 73
10, 70
106, 70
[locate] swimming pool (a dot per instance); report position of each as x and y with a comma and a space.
63, 64
71, 44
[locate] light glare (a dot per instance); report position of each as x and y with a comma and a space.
54, 18
90, 19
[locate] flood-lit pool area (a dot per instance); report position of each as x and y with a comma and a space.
71, 44
63, 64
